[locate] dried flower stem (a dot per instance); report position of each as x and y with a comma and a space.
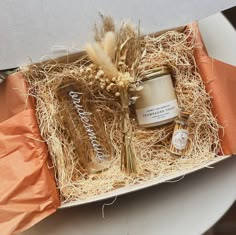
128, 160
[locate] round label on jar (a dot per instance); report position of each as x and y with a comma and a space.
180, 139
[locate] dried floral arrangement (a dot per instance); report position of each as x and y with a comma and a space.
92, 134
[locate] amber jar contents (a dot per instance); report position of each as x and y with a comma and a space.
180, 135
157, 103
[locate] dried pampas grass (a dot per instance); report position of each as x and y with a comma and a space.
151, 145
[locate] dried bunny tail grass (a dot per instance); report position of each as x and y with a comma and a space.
100, 58
152, 145
109, 44
91, 53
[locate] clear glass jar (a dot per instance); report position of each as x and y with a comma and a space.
157, 103
179, 142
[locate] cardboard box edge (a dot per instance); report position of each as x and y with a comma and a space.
141, 186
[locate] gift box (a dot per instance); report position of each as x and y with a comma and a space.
29, 191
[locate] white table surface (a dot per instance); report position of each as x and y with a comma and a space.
187, 207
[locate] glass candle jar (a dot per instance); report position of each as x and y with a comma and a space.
157, 103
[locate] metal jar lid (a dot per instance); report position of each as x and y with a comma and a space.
184, 114
156, 72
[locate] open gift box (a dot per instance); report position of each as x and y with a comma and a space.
28, 187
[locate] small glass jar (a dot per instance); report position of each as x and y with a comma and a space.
179, 142
157, 103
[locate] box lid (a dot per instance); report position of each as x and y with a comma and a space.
32, 29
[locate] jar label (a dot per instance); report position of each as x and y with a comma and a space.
180, 138
157, 113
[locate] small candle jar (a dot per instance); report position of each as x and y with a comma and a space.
157, 103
